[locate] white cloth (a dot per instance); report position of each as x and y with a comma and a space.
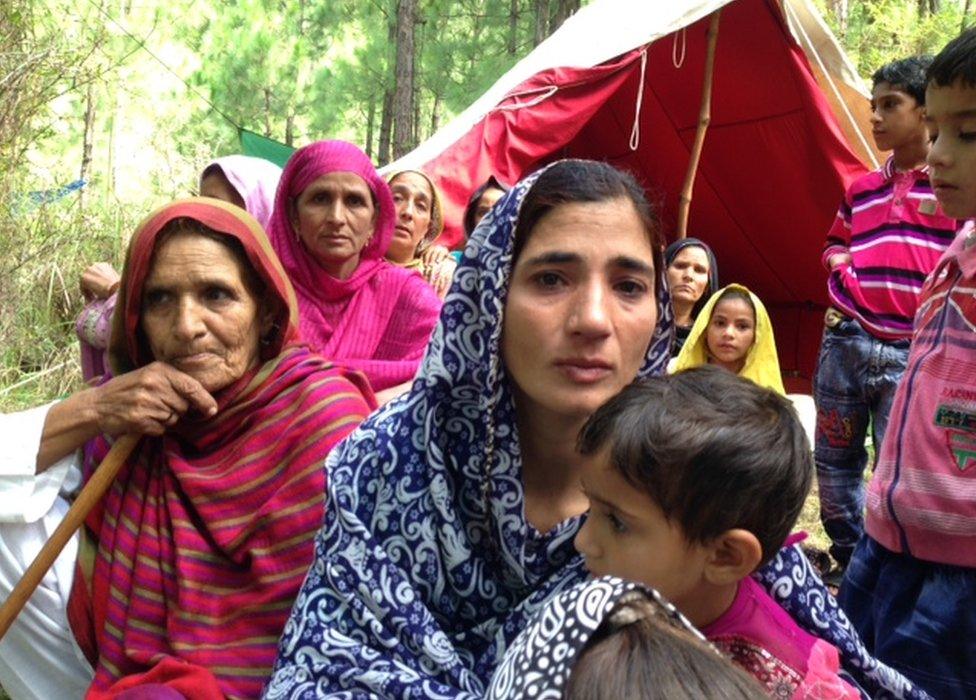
39, 657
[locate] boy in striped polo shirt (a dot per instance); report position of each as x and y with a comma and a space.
888, 235
910, 588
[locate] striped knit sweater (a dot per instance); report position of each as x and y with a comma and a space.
922, 500
895, 232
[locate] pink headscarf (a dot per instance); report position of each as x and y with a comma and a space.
255, 180
379, 319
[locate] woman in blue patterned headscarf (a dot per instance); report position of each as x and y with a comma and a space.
452, 510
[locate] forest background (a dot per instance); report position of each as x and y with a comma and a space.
134, 97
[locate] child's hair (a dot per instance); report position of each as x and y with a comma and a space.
634, 653
733, 293
906, 74
712, 450
956, 61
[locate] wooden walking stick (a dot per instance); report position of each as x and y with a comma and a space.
90, 495
704, 118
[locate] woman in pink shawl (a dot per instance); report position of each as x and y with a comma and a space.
332, 224
247, 182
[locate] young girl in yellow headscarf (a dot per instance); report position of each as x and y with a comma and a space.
733, 331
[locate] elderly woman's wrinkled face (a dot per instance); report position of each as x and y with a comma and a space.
334, 217
198, 313
216, 185
688, 275
414, 207
581, 308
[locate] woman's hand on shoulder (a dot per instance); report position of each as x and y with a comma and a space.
434, 255
99, 281
149, 400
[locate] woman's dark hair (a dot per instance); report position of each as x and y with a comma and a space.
584, 181
491, 183
635, 653
713, 450
956, 61
906, 74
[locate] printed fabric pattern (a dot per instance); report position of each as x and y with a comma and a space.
792, 582
539, 662
425, 565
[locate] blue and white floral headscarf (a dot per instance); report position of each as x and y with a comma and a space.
425, 555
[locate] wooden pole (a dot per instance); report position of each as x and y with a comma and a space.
704, 118
90, 495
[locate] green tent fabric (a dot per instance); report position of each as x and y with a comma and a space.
262, 147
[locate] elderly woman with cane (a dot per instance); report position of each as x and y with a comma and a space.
181, 579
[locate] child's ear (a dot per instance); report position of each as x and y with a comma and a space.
733, 555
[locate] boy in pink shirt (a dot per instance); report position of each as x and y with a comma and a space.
695, 482
910, 588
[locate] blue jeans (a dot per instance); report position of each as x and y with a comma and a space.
916, 616
854, 386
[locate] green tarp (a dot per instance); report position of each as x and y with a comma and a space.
262, 147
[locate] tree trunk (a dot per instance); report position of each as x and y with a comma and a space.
435, 117
403, 86
513, 28
86, 144
290, 129
370, 123
267, 112
386, 122
541, 21
965, 15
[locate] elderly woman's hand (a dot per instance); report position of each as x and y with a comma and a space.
99, 281
149, 400
145, 401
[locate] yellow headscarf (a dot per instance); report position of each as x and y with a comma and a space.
762, 363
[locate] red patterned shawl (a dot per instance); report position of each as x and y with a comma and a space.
206, 534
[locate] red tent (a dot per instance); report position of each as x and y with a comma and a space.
775, 161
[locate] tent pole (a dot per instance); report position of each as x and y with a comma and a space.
704, 118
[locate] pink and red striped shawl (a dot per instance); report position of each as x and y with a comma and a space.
206, 534
380, 319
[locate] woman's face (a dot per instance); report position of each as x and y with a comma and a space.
486, 202
334, 217
731, 333
581, 308
688, 275
414, 206
216, 185
198, 314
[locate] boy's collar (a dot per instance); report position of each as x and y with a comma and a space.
889, 170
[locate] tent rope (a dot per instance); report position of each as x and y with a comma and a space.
823, 69
546, 94
635, 131
679, 60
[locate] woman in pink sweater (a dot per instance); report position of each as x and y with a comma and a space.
332, 224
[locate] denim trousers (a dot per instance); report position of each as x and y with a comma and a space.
916, 616
853, 387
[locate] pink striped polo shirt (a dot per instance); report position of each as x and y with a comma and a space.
895, 232
922, 499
